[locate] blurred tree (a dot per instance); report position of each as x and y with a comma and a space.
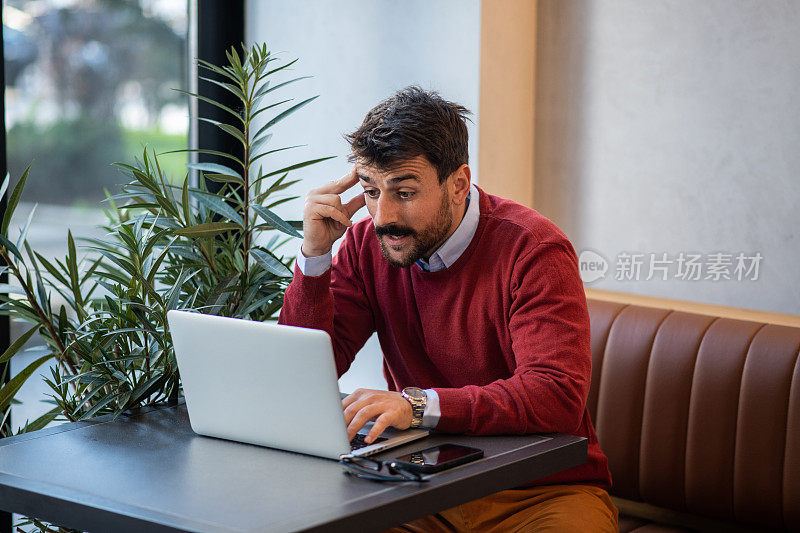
89, 59
92, 50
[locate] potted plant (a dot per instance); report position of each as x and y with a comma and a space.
168, 247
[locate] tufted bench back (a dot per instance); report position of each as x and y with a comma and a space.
698, 414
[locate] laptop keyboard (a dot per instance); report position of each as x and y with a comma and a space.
358, 441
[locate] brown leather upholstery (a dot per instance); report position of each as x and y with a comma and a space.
699, 414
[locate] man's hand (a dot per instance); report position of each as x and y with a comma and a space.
325, 218
386, 408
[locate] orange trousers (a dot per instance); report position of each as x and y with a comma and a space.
581, 508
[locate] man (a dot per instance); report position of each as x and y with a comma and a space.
477, 302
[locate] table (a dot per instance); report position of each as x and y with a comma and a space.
147, 471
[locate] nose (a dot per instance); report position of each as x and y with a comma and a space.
385, 211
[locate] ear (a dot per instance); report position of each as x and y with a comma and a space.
459, 183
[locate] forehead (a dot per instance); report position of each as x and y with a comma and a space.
418, 167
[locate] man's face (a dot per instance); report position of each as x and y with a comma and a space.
412, 214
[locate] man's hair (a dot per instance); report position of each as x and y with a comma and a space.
413, 122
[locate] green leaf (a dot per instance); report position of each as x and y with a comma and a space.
267, 108
207, 230
143, 390
4, 186
257, 304
282, 201
91, 270
264, 90
263, 154
295, 167
270, 262
275, 221
10, 247
227, 86
185, 200
212, 102
72, 264
12, 387
157, 263
227, 128
51, 269
24, 232
217, 169
175, 291
17, 344
256, 145
287, 65
105, 400
275, 187
204, 151
219, 70
13, 201
220, 207
42, 421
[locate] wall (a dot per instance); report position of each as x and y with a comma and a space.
669, 127
360, 52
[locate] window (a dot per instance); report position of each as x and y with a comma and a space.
88, 83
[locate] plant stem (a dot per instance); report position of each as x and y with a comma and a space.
246, 192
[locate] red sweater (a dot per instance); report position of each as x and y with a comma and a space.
502, 335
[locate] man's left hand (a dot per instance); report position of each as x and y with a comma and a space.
384, 407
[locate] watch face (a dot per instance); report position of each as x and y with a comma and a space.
416, 392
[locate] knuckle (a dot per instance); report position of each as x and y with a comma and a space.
361, 418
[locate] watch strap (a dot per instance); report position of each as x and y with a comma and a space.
417, 408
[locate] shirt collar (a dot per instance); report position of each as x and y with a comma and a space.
449, 252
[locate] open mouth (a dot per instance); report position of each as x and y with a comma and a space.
395, 240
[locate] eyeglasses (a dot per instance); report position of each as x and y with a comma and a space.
366, 468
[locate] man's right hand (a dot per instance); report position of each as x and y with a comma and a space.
325, 218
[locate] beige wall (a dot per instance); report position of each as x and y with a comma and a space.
670, 129
507, 96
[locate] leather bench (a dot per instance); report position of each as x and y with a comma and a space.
699, 416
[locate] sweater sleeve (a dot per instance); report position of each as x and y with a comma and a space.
334, 302
549, 328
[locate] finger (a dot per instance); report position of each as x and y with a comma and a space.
350, 400
364, 415
323, 211
354, 408
355, 203
325, 198
342, 184
381, 423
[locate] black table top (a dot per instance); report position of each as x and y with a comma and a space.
147, 471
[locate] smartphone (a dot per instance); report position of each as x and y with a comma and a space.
438, 458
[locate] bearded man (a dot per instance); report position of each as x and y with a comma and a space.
477, 302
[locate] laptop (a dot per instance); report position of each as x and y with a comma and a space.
267, 384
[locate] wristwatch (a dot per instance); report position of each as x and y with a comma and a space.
418, 400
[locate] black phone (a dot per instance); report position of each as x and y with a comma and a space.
438, 458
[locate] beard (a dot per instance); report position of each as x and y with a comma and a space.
423, 242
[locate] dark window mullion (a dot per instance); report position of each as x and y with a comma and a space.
220, 25
5, 321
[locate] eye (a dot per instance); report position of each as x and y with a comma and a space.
371, 193
405, 195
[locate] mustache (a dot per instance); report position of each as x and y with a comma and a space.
393, 229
